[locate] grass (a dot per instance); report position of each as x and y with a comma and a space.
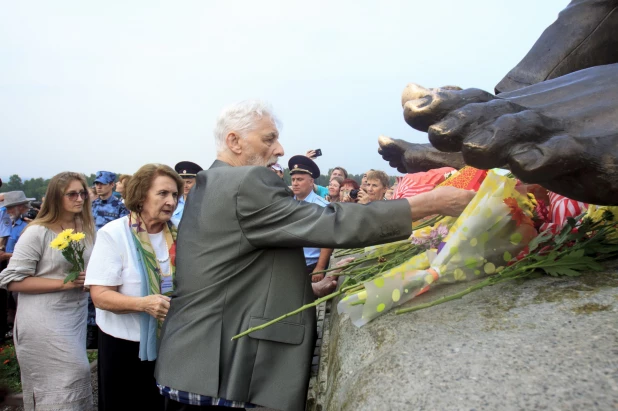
9, 367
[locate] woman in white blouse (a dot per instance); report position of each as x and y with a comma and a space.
130, 275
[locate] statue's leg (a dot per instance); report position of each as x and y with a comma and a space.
584, 35
561, 134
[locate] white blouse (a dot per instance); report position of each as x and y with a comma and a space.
114, 262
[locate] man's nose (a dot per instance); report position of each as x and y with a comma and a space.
279, 150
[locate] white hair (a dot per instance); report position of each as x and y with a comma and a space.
241, 118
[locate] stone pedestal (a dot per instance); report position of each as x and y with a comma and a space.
541, 344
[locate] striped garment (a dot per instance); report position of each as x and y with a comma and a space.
197, 399
417, 183
561, 208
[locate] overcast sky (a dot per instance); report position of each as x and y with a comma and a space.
87, 86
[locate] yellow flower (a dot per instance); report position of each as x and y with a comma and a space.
66, 234
59, 243
77, 237
63, 245
532, 199
597, 213
609, 214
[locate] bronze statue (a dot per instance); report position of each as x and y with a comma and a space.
553, 120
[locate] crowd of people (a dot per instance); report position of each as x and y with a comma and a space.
183, 259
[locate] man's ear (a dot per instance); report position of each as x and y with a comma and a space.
232, 141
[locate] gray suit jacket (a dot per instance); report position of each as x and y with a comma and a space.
239, 264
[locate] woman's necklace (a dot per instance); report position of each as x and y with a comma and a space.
164, 260
74, 226
167, 257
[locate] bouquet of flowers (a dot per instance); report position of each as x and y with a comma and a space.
72, 249
494, 227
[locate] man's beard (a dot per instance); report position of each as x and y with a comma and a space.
257, 160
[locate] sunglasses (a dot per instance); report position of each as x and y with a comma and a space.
73, 195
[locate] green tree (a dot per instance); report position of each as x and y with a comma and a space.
35, 187
15, 183
90, 179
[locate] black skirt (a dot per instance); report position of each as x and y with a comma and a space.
125, 382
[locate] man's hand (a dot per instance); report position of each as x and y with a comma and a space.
328, 284
318, 277
324, 287
310, 154
452, 201
446, 201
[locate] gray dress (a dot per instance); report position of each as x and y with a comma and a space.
50, 328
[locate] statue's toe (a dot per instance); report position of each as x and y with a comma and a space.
494, 142
389, 148
546, 160
393, 151
413, 92
433, 106
449, 134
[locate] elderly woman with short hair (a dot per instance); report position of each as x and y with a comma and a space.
375, 188
131, 278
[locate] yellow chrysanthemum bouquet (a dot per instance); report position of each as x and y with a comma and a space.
72, 247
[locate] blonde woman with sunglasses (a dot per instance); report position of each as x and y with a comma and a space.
50, 324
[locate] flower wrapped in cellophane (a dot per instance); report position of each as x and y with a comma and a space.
494, 227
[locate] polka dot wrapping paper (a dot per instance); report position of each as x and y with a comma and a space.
493, 228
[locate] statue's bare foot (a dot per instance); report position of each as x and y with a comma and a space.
423, 107
561, 133
413, 158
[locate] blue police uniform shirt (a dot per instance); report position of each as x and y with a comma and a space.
312, 254
16, 230
5, 223
108, 210
180, 208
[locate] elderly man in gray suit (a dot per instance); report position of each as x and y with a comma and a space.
240, 264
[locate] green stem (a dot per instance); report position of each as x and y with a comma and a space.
359, 261
304, 307
456, 296
429, 223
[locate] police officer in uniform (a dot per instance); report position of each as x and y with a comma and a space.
187, 170
105, 208
304, 172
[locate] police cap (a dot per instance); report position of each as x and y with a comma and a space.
304, 165
105, 177
187, 169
